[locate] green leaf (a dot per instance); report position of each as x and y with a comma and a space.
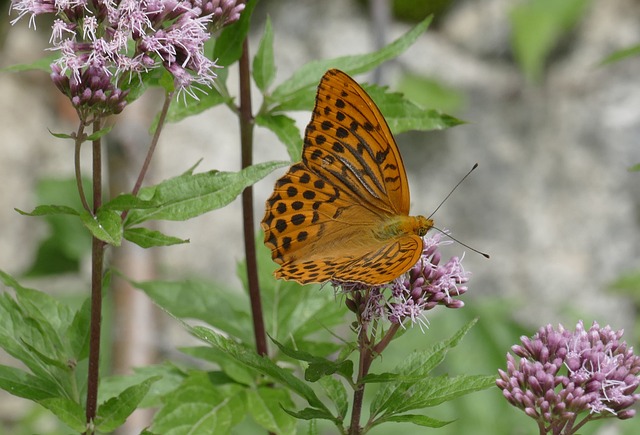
432, 391
25, 385
78, 332
266, 407
621, 55
420, 420
98, 134
307, 77
62, 135
68, 411
170, 378
228, 46
127, 201
236, 372
218, 306
264, 365
430, 93
537, 27
635, 168
199, 407
64, 247
113, 413
337, 393
286, 130
190, 195
42, 64
50, 210
106, 225
402, 115
264, 67
182, 108
146, 238
318, 367
313, 414
418, 364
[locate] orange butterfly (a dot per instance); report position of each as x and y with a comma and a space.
342, 213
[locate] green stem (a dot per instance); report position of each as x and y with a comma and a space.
97, 257
76, 159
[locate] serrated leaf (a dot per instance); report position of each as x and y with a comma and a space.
264, 68
309, 75
264, 365
266, 407
78, 332
190, 195
318, 367
228, 46
420, 420
68, 411
337, 393
170, 378
50, 210
25, 385
146, 238
433, 391
286, 130
106, 225
237, 372
199, 407
113, 413
418, 364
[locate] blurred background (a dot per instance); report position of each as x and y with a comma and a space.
553, 128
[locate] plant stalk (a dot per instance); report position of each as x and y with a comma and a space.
246, 138
97, 257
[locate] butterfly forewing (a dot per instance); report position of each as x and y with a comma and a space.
349, 142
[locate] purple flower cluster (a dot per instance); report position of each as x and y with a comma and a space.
427, 284
563, 373
104, 42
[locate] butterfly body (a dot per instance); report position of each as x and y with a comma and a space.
342, 213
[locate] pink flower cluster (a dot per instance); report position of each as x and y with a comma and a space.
106, 43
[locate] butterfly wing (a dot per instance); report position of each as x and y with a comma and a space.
323, 220
349, 143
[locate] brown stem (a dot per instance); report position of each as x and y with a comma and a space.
364, 363
246, 138
152, 147
97, 256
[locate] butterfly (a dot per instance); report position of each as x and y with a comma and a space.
342, 213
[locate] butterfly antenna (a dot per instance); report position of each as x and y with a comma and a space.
484, 254
453, 190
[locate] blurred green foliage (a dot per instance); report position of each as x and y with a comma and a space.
537, 28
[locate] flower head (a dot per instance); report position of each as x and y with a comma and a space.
121, 40
427, 284
563, 373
